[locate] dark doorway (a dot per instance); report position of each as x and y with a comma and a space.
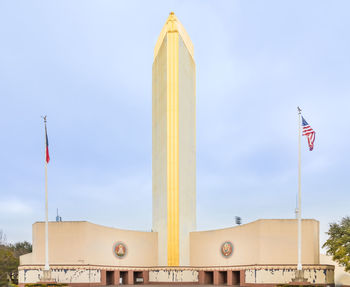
236, 278
110, 277
208, 277
222, 280
138, 277
123, 277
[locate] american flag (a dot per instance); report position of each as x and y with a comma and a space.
309, 132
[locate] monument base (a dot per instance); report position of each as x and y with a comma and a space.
243, 275
299, 277
47, 279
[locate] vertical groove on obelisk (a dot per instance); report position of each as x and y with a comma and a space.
172, 149
177, 227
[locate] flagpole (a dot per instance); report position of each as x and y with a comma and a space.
299, 196
47, 267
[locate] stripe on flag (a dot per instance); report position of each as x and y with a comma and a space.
309, 133
47, 146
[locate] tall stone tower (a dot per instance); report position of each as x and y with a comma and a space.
174, 143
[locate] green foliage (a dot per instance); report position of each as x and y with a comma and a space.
21, 248
9, 260
338, 243
8, 265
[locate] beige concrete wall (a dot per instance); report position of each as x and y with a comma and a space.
341, 277
73, 275
159, 151
281, 234
81, 242
265, 241
280, 275
187, 151
67, 242
26, 259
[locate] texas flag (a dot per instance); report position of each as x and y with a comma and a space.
47, 146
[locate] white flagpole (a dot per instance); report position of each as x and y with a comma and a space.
299, 195
47, 267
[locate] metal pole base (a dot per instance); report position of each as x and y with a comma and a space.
299, 276
46, 276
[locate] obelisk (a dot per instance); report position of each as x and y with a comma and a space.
173, 143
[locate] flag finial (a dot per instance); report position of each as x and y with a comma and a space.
44, 117
299, 110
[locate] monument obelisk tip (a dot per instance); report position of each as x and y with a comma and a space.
173, 25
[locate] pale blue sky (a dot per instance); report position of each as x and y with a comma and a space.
88, 64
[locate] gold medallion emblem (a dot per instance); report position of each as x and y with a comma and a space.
119, 249
227, 249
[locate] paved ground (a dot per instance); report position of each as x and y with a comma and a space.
159, 285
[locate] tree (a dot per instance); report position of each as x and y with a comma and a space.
2, 238
338, 243
18, 249
21, 248
8, 265
9, 259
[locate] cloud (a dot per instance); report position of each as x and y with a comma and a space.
14, 206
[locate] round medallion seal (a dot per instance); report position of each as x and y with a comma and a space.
227, 249
119, 250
